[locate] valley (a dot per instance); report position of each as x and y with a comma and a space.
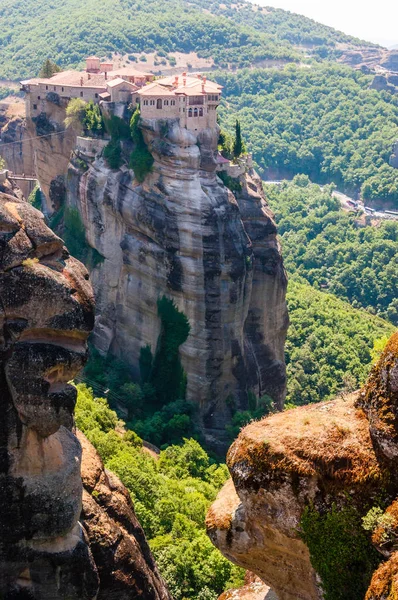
222, 425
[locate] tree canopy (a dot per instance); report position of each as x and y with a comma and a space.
323, 121
236, 35
171, 496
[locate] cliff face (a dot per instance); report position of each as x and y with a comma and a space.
335, 454
183, 234
47, 312
16, 145
40, 148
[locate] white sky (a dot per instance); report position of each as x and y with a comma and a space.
375, 21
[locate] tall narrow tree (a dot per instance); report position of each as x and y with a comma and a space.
239, 146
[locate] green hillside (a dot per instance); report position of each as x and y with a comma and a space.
69, 30
329, 346
330, 250
323, 121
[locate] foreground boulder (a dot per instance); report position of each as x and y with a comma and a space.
297, 473
47, 313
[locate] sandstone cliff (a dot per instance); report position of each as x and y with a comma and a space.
182, 233
47, 312
41, 148
323, 457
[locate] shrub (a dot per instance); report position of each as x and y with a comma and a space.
75, 112
35, 195
113, 154
141, 160
167, 374
74, 235
232, 183
340, 551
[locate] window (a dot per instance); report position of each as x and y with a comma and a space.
81, 94
201, 112
196, 100
159, 103
166, 102
35, 107
96, 95
55, 89
190, 112
173, 102
145, 102
152, 102
38, 97
62, 89
46, 87
195, 112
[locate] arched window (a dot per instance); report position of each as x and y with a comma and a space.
201, 112
166, 102
195, 112
159, 103
190, 112
172, 102
152, 102
145, 102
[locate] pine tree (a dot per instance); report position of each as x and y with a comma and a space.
48, 69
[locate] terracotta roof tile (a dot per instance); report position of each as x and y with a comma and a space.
118, 81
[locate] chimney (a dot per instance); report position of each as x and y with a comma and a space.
176, 81
106, 75
184, 79
81, 80
203, 84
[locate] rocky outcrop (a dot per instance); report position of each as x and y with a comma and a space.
53, 546
125, 564
334, 454
254, 589
390, 60
16, 146
387, 82
182, 233
52, 147
47, 314
306, 456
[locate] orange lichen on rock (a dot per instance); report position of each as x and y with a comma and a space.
222, 510
329, 441
379, 400
384, 584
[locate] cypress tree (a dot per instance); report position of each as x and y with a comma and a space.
238, 143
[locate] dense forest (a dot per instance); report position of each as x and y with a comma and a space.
171, 496
330, 345
334, 250
235, 35
324, 122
